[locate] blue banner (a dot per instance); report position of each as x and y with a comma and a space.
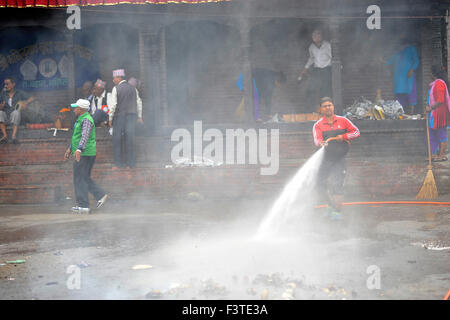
38, 59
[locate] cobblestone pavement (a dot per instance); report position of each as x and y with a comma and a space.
206, 250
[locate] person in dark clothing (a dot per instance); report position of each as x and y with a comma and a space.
125, 110
83, 147
341, 131
318, 67
99, 107
264, 82
13, 101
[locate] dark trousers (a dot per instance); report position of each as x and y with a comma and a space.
266, 96
83, 182
319, 86
124, 126
335, 171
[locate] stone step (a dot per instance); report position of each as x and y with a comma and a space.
369, 178
378, 139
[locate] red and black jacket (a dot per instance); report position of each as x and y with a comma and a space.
323, 130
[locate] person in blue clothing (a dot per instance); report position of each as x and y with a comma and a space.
405, 63
264, 82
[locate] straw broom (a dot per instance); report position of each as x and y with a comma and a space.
428, 190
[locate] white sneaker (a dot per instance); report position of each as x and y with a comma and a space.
81, 210
102, 201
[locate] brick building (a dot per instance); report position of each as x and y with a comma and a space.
189, 56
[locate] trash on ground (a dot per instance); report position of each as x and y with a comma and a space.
58, 253
142, 267
83, 264
211, 288
265, 294
16, 262
288, 295
196, 162
274, 119
272, 279
363, 108
195, 196
176, 288
251, 291
433, 245
154, 294
292, 285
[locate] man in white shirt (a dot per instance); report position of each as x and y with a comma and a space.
320, 73
125, 108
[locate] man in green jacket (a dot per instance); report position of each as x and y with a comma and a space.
83, 147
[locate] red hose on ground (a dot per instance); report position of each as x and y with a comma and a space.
392, 202
447, 295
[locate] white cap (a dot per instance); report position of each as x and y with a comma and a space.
82, 103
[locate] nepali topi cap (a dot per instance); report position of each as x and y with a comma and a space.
119, 73
100, 83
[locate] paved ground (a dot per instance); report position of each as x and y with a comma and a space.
207, 250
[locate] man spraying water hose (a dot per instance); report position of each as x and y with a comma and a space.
334, 134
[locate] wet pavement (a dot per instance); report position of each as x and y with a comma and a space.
206, 250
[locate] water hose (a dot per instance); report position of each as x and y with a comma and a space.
334, 138
434, 203
447, 295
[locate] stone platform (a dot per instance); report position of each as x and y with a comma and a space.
387, 160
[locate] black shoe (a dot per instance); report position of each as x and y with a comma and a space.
3, 140
15, 141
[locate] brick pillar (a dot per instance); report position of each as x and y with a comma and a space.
164, 118
149, 65
436, 43
71, 88
336, 67
426, 59
155, 83
447, 20
246, 68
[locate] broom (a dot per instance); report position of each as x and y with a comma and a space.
428, 190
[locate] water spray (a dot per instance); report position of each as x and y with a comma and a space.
287, 205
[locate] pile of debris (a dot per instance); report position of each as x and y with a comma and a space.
366, 109
272, 286
195, 162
